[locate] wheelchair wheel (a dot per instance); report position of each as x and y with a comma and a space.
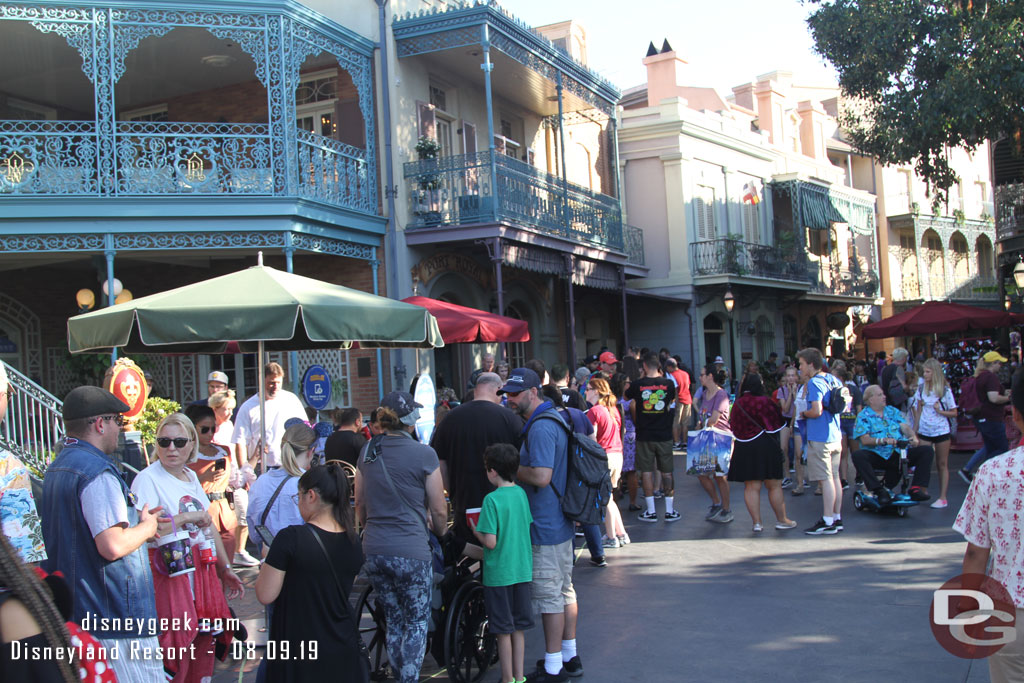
469, 647
372, 630
858, 502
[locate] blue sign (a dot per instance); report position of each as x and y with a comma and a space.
316, 387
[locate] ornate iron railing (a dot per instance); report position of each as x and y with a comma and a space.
459, 190
33, 427
174, 158
843, 282
733, 257
634, 244
1009, 207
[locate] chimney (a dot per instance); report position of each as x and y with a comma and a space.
663, 71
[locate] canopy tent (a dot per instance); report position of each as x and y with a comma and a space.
937, 317
462, 324
260, 308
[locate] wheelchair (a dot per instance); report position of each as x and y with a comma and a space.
459, 639
866, 501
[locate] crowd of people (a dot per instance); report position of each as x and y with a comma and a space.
150, 567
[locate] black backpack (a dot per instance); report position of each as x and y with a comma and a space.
588, 483
837, 398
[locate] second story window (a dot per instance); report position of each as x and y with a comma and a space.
155, 113
704, 207
315, 100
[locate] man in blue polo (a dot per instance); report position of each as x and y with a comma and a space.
543, 459
96, 537
824, 441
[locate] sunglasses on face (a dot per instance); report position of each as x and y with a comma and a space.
118, 419
205, 430
165, 442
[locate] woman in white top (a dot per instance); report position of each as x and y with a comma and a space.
296, 454
933, 405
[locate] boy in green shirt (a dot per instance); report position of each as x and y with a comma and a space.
504, 531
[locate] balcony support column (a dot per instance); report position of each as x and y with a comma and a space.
293, 356
374, 265
494, 251
488, 67
565, 181
625, 317
108, 252
570, 267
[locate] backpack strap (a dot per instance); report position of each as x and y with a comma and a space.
554, 416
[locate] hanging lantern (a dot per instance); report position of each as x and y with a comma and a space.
118, 287
124, 297
85, 299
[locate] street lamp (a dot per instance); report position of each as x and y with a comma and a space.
1018, 274
730, 302
1006, 303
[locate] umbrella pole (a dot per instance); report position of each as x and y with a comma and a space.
263, 406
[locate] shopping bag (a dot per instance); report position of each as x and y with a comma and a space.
707, 451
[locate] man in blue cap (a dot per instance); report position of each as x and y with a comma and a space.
543, 467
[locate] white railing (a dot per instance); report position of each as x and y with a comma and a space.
33, 427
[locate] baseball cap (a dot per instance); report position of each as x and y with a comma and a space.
91, 401
592, 358
718, 360
404, 406
217, 376
993, 356
608, 358
520, 379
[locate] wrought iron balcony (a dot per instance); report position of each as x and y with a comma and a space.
459, 190
844, 282
63, 158
1009, 210
634, 245
746, 259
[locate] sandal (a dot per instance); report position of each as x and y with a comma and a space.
633, 507
798, 491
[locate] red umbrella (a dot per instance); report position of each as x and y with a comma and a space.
937, 317
463, 324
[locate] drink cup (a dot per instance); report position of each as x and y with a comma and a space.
176, 551
473, 514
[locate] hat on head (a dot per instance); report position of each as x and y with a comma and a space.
402, 403
719, 361
520, 379
993, 356
608, 358
217, 376
91, 401
592, 358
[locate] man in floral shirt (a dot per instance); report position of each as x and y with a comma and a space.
18, 516
990, 522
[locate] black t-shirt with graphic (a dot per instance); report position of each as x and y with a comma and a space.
653, 396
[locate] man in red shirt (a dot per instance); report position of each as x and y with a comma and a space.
683, 401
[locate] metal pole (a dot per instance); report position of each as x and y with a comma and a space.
263, 401
625, 318
732, 347
565, 181
374, 265
289, 266
570, 267
111, 297
488, 67
496, 258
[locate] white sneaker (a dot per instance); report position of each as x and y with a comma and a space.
244, 559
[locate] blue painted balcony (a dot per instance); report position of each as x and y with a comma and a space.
458, 191
746, 259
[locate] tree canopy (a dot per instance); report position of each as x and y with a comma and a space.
925, 76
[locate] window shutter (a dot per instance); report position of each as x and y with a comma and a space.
750, 223
468, 138
349, 123
426, 122
705, 209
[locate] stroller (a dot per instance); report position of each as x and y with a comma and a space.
865, 500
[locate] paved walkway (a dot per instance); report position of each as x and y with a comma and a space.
695, 601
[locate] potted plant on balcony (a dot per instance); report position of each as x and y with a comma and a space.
786, 249
732, 253
427, 200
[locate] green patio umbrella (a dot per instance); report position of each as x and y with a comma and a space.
261, 308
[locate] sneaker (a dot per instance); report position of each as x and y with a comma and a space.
787, 482
758, 528
624, 540
966, 476
712, 512
673, 516
573, 668
659, 494
785, 526
579, 531
883, 496
919, 494
244, 559
792, 471
542, 676
610, 542
646, 516
846, 484
820, 528
838, 524
598, 562
723, 517
940, 504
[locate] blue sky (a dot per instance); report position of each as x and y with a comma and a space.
726, 42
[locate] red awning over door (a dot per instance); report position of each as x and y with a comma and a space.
464, 324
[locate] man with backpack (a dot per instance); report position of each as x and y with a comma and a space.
543, 471
825, 403
984, 400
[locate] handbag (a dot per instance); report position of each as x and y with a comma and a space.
261, 529
364, 654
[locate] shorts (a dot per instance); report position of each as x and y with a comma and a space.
654, 453
941, 438
615, 465
552, 578
846, 426
682, 421
240, 497
801, 429
509, 608
823, 460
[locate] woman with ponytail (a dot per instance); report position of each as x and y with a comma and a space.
312, 624
273, 500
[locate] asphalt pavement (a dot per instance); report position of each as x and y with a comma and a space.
697, 601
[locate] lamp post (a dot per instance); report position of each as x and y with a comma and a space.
730, 302
1018, 274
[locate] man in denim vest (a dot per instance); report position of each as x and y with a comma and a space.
95, 536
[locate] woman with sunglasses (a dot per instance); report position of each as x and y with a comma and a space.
194, 599
213, 467
273, 500
310, 619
